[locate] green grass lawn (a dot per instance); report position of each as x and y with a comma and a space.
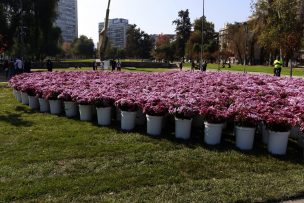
51, 158
253, 69
79, 60
212, 67
129, 69
91, 60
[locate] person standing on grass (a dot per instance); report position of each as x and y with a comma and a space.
204, 66
192, 66
5, 68
94, 65
118, 65
11, 69
18, 65
277, 67
49, 65
113, 64
181, 66
27, 65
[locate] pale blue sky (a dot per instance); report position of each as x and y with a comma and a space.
156, 16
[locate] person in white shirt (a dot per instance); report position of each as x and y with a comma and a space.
118, 65
18, 65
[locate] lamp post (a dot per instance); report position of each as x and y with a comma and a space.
202, 45
245, 52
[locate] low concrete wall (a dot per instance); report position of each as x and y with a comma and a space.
39, 65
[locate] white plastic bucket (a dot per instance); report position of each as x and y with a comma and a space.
15, 93
104, 116
244, 137
44, 105
128, 120
70, 109
154, 125
86, 112
33, 102
183, 128
55, 107
277, 143
213, 133
18, 96
24, 98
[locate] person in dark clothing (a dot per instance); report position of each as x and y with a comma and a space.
204, 66
181, 66
27, 66
193, 66
113, 64
49, 65
11, 69
5, 68
94, 65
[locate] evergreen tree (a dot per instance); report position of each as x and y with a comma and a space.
139, 43
83, 47
183, 31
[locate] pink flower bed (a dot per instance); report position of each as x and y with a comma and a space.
248, 99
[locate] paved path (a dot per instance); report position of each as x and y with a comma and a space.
294, 201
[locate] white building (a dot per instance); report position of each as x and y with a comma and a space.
117, 32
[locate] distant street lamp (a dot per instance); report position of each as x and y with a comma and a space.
245, 52
22, 35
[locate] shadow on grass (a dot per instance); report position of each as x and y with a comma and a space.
294, 154
25, 109
15, 120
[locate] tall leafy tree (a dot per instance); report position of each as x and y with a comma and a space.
83, 47
236, 37
183, 31
279, 25
9, 18
195, 40
164, 48
139, 43
28, 27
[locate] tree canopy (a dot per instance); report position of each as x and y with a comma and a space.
279, 24
164, 48
27, 26
139, 43
183, 31
195, 41
83, 47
